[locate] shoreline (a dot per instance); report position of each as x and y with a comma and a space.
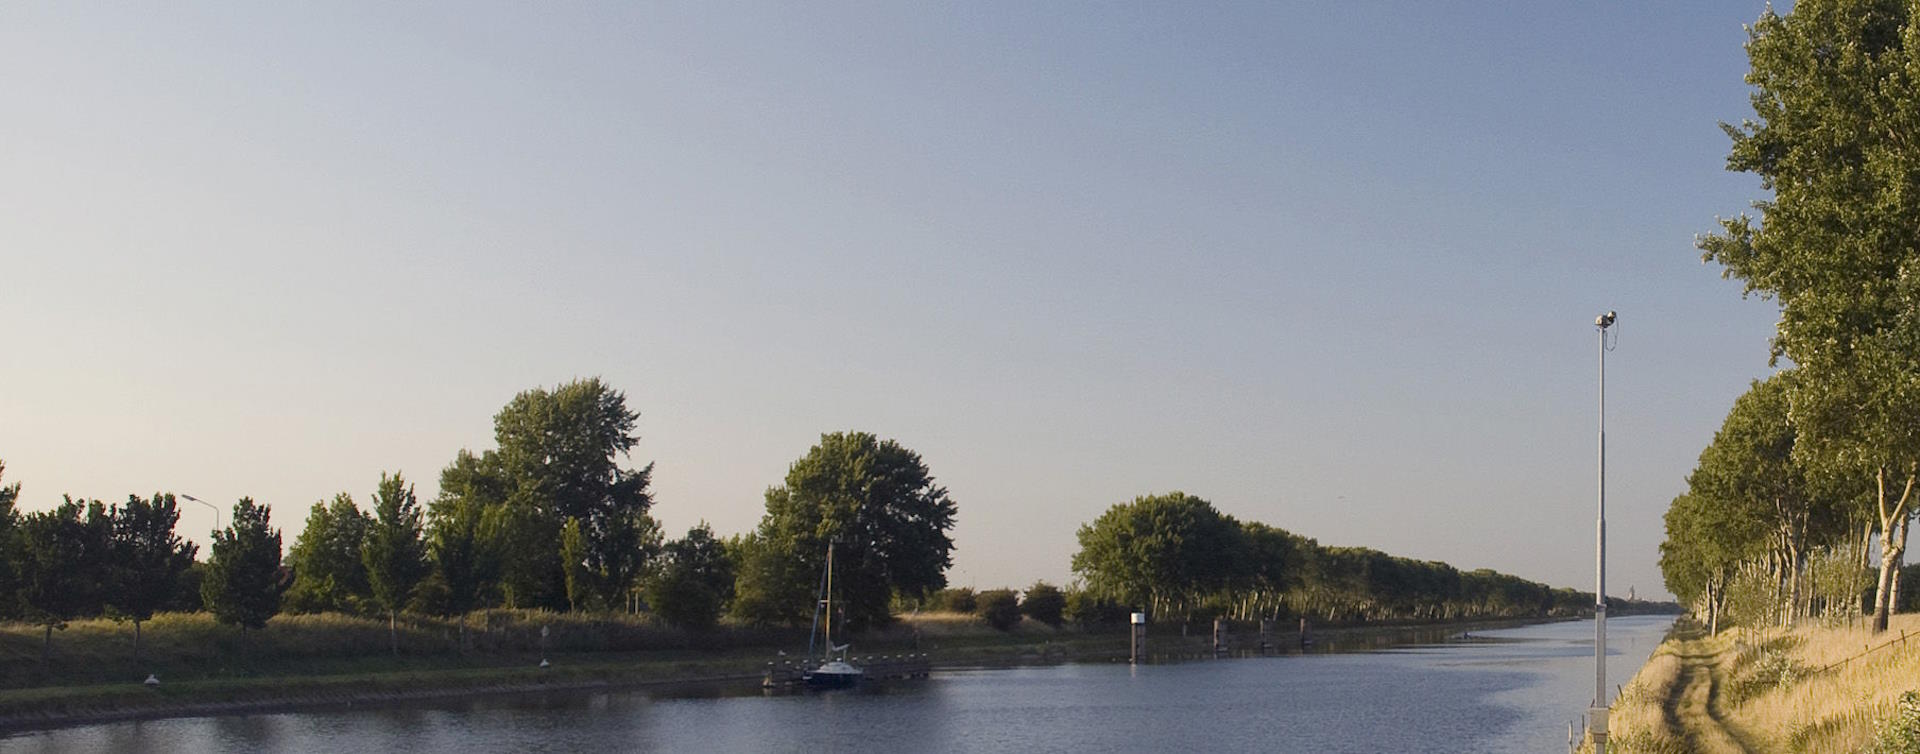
80, 706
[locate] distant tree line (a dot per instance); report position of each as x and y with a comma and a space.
1177, 557
1814, 471
549, 520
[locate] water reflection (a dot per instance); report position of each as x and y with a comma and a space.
1499, 691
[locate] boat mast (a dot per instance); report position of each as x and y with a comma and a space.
829, 599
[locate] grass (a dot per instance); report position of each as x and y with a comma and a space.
308, 660
1812, 689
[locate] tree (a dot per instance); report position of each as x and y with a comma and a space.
1161, 552
1000, 608
695, 578
1044, 602
394, 555
62, 565
463, 562
242, 584
9, 543
768, 587
558, 459
328, 572
149, 558
1836, 138
1751, 469
877, 502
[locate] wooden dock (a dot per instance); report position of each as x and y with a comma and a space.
790, 674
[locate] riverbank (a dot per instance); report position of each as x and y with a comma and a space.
951, 641
1812, 689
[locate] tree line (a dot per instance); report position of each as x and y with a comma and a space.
1813, 473
547, 520
1176, 556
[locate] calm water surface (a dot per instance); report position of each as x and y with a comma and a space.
1510, 690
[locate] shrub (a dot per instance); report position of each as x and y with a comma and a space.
1044, 602
1088, 611
956, 600
1000, 608
1902, 733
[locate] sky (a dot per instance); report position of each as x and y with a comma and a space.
1330, 266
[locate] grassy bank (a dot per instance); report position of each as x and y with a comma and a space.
337, 660
1812, 689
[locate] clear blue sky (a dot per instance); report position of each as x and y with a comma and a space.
1332, 266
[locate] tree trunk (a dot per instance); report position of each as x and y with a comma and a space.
1793, 587
136, 644
393, 631
1893, 544
1894, 597
46, 650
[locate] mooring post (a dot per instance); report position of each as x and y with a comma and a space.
1137, 643
1219, 635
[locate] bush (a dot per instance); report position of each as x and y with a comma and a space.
955, 600
1902, 733
1088, 611
1000, 608
1044, 602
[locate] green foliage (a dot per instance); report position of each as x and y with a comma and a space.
1088, 610
1175, 556
394, 554
1901, 733
559, 450
242, 582
63, 562
957, 599
573, 564
329, 573
878, 502
1045, 603
1000, 608
498, 523
1836, 138
1160, 552
694, 581
147, 556
465, 566
9, 543
766, 579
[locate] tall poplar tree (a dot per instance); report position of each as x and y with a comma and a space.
1836, 137
394, 554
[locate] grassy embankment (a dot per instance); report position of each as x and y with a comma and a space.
309, 660
322, 660
1812, 689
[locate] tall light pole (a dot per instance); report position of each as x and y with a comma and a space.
1597, 714
210, 506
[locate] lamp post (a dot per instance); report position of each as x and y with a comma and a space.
210, 506
1597, 714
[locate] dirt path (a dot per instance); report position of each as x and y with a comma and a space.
1692, 705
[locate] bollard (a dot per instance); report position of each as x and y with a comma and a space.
1137, 639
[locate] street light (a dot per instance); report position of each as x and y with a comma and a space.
1597, 714
210, 506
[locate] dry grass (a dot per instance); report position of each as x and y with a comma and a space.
1779, 690
1840, 709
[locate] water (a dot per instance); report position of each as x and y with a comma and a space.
1511, 690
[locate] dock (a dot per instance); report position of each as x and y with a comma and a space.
790, 673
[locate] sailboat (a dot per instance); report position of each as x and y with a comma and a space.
834, 673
